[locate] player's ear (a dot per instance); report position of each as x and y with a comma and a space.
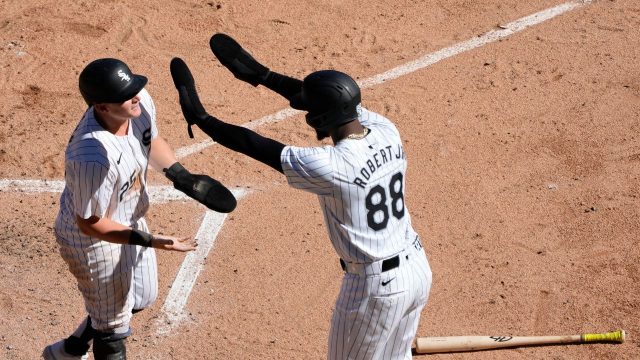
101, 107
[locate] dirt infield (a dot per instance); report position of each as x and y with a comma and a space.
523, 180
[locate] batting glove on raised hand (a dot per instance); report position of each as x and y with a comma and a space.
192, 108
241, 64
207, 191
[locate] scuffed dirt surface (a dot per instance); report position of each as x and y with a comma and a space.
523, 169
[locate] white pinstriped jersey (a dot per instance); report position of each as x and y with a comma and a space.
105, 174
360, 185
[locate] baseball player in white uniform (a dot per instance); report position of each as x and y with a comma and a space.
100, 228
360, 183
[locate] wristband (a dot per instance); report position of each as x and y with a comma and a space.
174, 171
141, 238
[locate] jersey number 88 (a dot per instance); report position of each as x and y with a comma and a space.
379, 195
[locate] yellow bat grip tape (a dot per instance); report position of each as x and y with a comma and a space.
613, 336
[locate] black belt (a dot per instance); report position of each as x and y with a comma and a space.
388, 264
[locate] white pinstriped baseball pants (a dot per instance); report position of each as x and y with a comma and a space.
376, 321
114, 279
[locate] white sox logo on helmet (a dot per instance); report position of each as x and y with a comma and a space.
123, 76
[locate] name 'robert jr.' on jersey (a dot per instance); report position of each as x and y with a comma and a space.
105, 174
360, 185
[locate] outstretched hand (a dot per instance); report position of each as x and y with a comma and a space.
203, 188
173, 243
192, 108
241, 64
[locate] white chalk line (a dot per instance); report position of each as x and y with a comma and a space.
172, 311
173, 307
157, 193
415, 65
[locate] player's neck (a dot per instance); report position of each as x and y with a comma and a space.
116, 125
344, 131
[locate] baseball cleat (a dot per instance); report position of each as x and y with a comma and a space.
241, 64
56, 351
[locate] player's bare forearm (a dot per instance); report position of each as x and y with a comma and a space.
162, 155
202, 188
108, 230
104, 229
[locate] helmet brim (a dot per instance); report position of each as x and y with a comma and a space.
138, 83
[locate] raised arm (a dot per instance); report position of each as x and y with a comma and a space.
203, 188
231, 136
162, 155
246, 68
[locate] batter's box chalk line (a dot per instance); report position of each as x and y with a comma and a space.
491, 36
172, 312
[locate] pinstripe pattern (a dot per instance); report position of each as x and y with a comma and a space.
105, 176
376, 321
360, 186
332, 172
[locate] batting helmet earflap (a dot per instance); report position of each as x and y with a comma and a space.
109, 81
330, 98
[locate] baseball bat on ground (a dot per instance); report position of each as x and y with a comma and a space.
429, 345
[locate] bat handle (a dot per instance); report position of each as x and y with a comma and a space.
613, 336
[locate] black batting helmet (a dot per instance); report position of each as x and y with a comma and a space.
330, 98
109, 81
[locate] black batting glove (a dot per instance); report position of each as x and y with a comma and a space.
202, 188
241, 64
192, 108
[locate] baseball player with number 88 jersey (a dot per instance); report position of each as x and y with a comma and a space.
360, 183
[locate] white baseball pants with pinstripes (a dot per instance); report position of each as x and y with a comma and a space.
114, 279
377, 315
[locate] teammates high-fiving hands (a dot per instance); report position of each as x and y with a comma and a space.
230, 54
192, 108
243, 66
202, 188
